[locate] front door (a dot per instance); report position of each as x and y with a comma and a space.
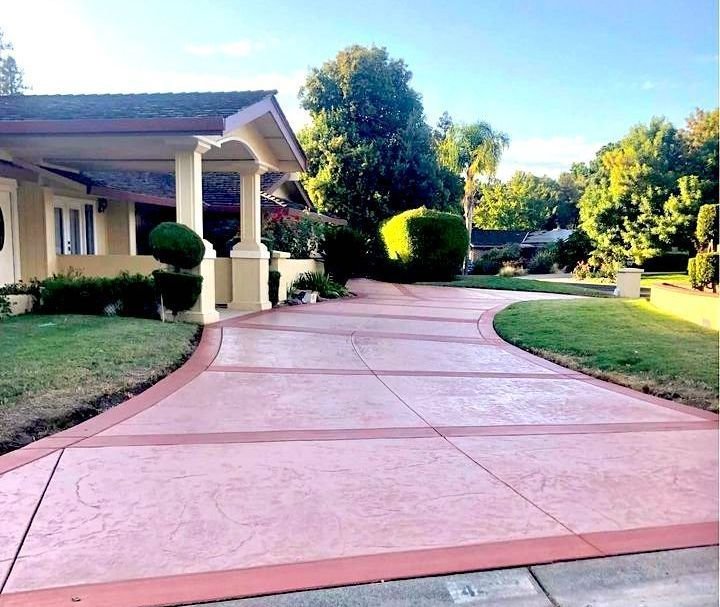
7, 261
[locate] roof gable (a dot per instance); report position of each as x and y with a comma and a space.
127, 106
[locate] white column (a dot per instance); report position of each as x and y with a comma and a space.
189, 212
250, 257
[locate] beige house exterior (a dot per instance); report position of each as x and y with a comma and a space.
54, 219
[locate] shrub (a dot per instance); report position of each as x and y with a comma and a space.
320, 282
703, 271
706, 230
176, 245
494, 259
433, 244
345, 253
179, 290
301, 238
667, 262
72, 293
543, 261
574, 249
274, 287
508, 270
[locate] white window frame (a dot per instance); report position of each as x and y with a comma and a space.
65, 204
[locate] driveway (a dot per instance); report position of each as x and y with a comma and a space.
386, 436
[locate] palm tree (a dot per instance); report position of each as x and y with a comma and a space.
473, 151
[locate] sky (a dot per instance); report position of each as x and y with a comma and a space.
560, 77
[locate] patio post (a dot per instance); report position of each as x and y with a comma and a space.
189, 212
250, 257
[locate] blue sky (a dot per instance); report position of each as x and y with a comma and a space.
561, 77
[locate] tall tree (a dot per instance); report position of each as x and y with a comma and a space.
701, 137
524, 202
640, 201
473, 151
11, 76
370, 151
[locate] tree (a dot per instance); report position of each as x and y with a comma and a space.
638, 202
11, 76
700, 137
370, 152
524, 202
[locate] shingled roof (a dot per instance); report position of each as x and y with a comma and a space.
127, 106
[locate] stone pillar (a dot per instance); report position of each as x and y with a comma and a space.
628, 282
250, 258
189, 212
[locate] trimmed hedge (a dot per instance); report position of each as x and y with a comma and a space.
706, 229
431, 244
177, 245
667, 262
344, 251
703, 271
179, 290
124, 295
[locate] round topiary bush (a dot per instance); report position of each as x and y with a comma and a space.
432, 244
177, 245
179, 290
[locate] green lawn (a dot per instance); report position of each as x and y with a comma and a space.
627, 342
518, 284
678, 278
57, 370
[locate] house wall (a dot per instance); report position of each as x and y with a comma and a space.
223, 280
290, 269
108, 265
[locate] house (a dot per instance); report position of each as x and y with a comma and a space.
529, 242
76, 172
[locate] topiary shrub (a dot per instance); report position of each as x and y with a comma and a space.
176, 245
706, 229
179, 290
703, 271
432, 244
274, 287
344, 251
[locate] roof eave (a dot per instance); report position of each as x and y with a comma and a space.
211, 125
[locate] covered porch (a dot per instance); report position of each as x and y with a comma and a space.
61, 221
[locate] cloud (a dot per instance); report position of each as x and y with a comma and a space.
546, 156
238, 48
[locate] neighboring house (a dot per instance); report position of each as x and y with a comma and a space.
484, 240
75, 170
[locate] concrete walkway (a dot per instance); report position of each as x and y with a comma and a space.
388, 436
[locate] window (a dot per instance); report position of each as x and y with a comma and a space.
74, 227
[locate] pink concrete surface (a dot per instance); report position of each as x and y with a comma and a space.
391, 435
609, 482
383, 354
232, 506
20, 492
477, 401
251, 402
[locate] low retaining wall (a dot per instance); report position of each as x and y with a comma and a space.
290, 269
694, 306
108, 265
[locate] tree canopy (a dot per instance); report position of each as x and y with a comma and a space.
11, 76
370, 151
646, 189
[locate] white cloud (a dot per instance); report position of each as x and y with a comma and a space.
545, 156
64, 53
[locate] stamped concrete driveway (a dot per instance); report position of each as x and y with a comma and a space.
387, 436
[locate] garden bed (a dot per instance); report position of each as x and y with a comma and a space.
58, 370
630, 343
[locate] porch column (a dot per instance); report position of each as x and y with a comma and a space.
189, 212
250, 258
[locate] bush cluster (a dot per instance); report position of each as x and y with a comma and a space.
543, 261
302, 237
431, 244
703, 268
703, 271
494, 259
125, 295
320, 282
706, 229
573, 250
345, 252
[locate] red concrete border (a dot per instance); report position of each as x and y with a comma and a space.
198, 362
260, 436
654, 538
237, 583
526, 430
